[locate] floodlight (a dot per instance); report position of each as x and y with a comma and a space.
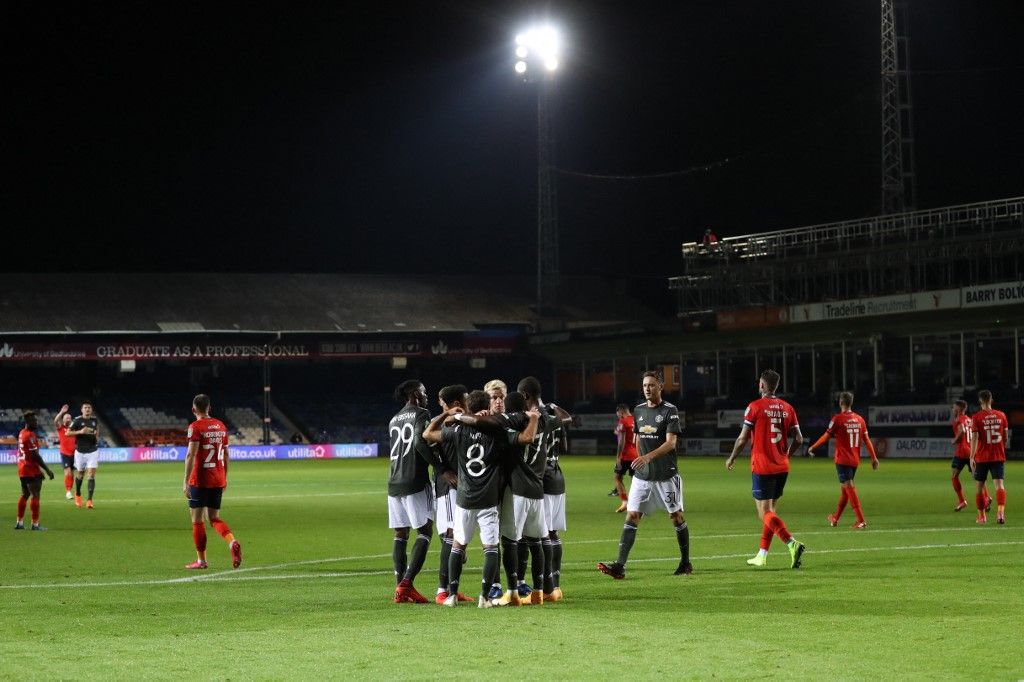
520, 67
551, 64
521, 52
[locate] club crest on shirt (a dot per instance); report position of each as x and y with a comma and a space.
660, 418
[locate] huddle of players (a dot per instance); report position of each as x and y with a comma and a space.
495, 460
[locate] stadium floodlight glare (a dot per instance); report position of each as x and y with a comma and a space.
542, 45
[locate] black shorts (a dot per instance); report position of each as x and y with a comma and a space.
27, 481
623, 467
845, 472
959, 464
67, 461
983, 469
204, 497
768, 486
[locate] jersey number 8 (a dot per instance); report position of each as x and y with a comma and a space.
475, 460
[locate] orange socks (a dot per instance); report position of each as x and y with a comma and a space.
855, 503
223, 529
199, 537
778, 526
766, 537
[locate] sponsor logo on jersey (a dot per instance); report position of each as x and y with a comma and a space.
648, 429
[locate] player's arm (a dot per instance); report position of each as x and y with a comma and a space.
225, 463
958, 434
60, 415
620, 446
190, 462
668, 446
871, 450
797, 439
974, 445
432, 434
527, 435
483, 423
737, 447
424, 449
818, 443
39, 460
562, 415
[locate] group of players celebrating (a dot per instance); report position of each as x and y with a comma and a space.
496, 472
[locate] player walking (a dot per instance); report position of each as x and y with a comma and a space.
480, 457
772, 421
67, 448
410, 495
988, 454
86, 431
30, 472
656, 479
206, 476
849, 430
625, 452
962, 454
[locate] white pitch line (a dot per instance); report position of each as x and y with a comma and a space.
230, 498
231, 576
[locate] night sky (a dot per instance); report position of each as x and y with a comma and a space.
395, 137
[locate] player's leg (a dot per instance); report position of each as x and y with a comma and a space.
443, 504
68, 462
487, 519
671, 495
620, 487
398, 521
79, 476
981, 494
846, 480
998, 471
844, 496
556, 524
35, 490
212, 503
463, 530
509, 532
639, 495
775, 485
90, 473
420, 512
26, 494
197, 512
956, 467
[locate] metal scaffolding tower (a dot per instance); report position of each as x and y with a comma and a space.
899, 184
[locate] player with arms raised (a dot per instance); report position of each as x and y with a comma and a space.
206, 477
67, 448
656, 482
988, 454
849, 430
770, 422
410, 495
30, 472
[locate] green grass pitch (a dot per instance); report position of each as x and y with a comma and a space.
922, 594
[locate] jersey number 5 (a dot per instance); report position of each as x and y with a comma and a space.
776, 429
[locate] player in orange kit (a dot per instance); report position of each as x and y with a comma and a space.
769, 422
206, 476
988, 454
30, 471
67, 448
849, 430
962, 453
625, 453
